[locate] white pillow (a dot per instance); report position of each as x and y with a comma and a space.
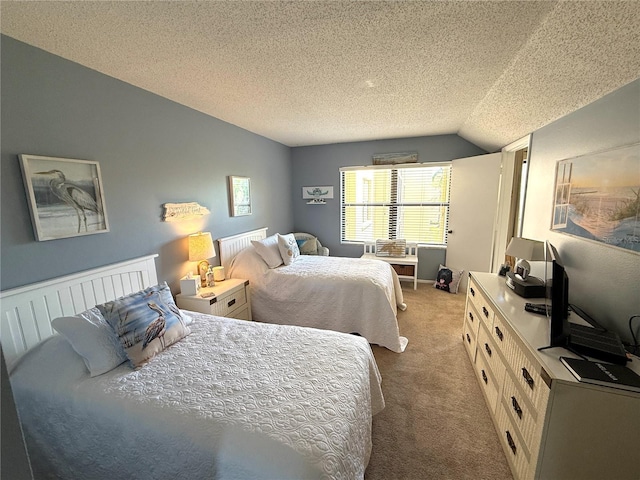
267, 248
288, 248
93, 339
249, 265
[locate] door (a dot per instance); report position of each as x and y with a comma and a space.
472, 213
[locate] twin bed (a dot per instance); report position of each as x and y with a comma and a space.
232, 399
349, 295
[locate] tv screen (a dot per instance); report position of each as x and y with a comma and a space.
557, 297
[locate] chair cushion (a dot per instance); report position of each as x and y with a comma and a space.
308, 246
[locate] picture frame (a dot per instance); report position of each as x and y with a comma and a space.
239, 195
317, 195
65, 196
597, 197
394, 158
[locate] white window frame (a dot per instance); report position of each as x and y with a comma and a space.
366, 205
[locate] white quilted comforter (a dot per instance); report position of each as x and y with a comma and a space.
350, 295
232, 400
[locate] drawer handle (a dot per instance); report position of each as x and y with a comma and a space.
231, 302
516, 407
527, 378
484, 377
485, 311
499, 333
487, 348
471, 316
512, 444
473, 292
468, 339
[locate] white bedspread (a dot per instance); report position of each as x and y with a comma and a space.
350, 295
234, 399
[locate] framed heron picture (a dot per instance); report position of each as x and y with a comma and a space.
65, 196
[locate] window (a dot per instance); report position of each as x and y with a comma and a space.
399, 201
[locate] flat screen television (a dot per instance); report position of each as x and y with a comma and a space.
557, 297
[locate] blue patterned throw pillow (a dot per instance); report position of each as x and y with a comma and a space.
146, 322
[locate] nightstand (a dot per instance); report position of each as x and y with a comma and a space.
230, 299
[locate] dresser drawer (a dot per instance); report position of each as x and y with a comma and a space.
491, 357
527, 420
471, 317
528, 374
469, 339
482, 305
226, 304
515, 449
487, 382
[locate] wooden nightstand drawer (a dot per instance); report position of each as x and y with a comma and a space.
242, 313
228, 303
230, 299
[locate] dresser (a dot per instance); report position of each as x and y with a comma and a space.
229, 298
550, 425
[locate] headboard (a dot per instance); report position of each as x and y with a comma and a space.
27, 311
230, 246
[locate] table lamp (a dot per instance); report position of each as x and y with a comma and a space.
200, 249
525, 249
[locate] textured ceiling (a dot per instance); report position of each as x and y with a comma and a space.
310, 73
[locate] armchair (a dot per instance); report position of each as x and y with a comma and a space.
310, 245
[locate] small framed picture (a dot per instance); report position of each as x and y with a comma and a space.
65, 196
240, 196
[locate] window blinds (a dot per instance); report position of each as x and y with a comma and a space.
409, 202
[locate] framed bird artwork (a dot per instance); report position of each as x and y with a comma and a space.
65, 196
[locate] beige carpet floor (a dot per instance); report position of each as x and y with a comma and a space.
435, 424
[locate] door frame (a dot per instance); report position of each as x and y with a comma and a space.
505, 193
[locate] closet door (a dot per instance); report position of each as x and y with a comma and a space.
472, 213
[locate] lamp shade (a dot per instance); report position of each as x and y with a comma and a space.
200, 247
526, 249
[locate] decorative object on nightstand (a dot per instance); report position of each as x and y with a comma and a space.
200, 249
211, 282
227, 299
519, 280
218, 274
190, 285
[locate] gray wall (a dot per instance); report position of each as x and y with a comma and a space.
603, 280
151, 151
319, 165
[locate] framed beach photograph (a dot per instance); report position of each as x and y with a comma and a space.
597, 197
65, 196
240, 196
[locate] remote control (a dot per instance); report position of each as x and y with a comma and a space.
539, 308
